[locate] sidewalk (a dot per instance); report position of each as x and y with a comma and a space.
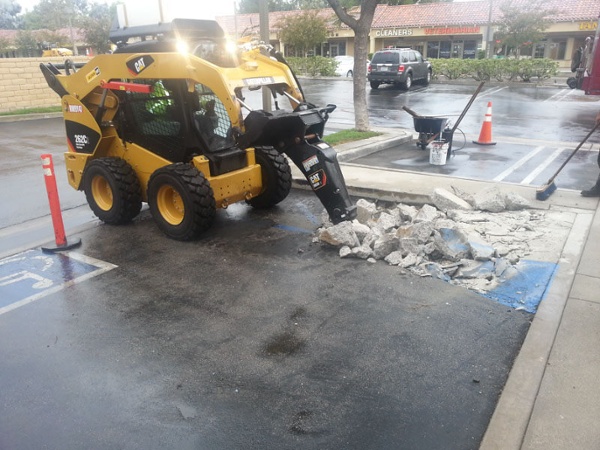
552, 397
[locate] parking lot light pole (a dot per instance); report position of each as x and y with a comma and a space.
263, 18
490, 34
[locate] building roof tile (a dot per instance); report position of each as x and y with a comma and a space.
461, 13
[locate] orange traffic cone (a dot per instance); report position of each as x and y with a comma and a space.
485, 136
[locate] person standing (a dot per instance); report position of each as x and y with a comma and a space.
594, 191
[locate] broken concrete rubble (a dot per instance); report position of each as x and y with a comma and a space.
455, 240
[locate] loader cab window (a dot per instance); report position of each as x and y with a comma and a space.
155, 120
211, 120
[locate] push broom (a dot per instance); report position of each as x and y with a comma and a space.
545, 191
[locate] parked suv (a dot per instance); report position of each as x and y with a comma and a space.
398, 66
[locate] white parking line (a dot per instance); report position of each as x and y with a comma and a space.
534, 173
493, 91
560, 95
518, 164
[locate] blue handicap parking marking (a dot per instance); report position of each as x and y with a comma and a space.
31, 275
527, 288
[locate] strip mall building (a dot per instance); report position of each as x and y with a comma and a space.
442, 30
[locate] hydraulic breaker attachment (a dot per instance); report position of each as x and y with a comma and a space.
318, 162
298, 135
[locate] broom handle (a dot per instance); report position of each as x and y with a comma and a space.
460, 118
574, 151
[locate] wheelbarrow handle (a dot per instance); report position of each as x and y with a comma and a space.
410, 111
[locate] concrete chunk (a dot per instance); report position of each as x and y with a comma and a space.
365, 210
515, 202
410, 260
451, 243
407, 213
362, 251
409, 245
490, 199
339, 235
427, 213
360, 229
394, 258
345, 251
445, 200
480, 251
476, 269
385, 245
385, 222
421, 231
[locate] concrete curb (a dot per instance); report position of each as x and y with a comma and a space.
31, 116
387, 140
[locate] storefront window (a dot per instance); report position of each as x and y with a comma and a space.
558, 50
433, 50
562, 50
470, 50
539, 51
445, 49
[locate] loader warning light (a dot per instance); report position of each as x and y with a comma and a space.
128, 87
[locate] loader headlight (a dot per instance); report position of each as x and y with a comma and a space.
182, 47
231, 47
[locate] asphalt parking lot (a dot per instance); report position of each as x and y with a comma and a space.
251, 337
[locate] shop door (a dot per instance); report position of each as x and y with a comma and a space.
457, 49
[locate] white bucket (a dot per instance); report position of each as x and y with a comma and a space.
438, 152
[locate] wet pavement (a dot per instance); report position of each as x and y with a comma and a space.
251, 337
509, 161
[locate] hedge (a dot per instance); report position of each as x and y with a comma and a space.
495, 69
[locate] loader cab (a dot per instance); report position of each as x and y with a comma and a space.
202, 38
178, 122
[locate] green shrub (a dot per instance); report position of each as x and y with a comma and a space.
452, 69
313, 66
505, 69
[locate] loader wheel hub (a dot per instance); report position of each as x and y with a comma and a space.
170, 204
102, 192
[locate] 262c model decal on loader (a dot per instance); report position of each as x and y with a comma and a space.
152, 124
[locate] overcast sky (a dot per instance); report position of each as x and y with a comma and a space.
139, 11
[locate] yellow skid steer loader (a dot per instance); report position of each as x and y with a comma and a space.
151, 123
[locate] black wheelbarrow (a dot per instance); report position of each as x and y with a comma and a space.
430, 129
434, 128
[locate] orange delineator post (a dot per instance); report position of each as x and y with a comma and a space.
485, 136
57, 222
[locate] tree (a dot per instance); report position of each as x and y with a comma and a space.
251, 6
522, 26
49, 39
361, 27
96, 26
303, 31
5, 45
55, 14
26, 43
8, 14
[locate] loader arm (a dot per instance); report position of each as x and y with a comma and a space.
299, 134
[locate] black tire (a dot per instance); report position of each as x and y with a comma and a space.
276, 175
572, 82
349, 74
112, 190
427, 78
181, 201
407, 82
374, 84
